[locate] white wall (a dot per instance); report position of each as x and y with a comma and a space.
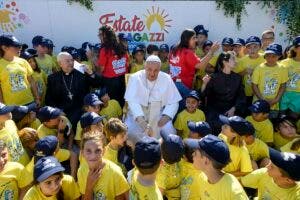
73, 24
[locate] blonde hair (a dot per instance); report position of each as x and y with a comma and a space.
113, 127
96, 136
27, 135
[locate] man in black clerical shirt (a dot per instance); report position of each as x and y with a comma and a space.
67, 88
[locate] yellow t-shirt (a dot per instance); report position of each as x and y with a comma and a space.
213, 60
14, 82
43, 131
183, 117
112, 155
263, 130
199, 52
165, 67
135, 67
240, 158
293, 67
54, 60
190, 182
267, 188
12, 178
287, 147
269, 80
168, 178
16, 152
110, 184
258, 150
280, 141
69, 188
35, 124
246, 63
112, 110
41, 82
141, 192
89, 64
46, 64
227, 188
78, 134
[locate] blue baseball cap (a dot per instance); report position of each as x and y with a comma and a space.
92, 99
46, 146
238, 124
253, 40
200, 30
43, 42
86, 45
147, 153
239, 41
274, 49
19, 112
202, 128
9, 40
296, 41
36, 40
260, 106
47, 112
27, 55
123, 37
137, 49
102, 92
289, 162
164, 47
49, 43
207, 43
4, 109
194, 94
227, 40
90, 118
46, 167
172, 147
213, 146
73, 52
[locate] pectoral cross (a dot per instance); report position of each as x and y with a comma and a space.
70, 95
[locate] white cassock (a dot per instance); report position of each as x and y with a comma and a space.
150, 99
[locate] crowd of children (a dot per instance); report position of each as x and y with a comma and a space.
253, 153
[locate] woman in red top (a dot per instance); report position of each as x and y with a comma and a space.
113, 63
184, 62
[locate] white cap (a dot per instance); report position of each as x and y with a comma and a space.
153, 58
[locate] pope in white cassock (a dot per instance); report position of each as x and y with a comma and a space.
152, 99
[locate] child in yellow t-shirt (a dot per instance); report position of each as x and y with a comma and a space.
191, 113
260, 120
9, 134
269, 79
211, 155
293, 146
116, 133
279, 180
50, 182
238, 48
233, 127
39, 76
25, 116
147, 159
110, 107
91, 103
168, 175
28, 137
198, 129
164, 57
13, 177
139, 59
99, 178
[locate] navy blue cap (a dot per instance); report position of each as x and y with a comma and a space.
199, 29
43, 42
97, 46
147, 153
92, 99
19, 112
46, 167
9, 40
65, 49
90, 118
36, 40
194, 94
260, 106
289, 162
49, 43
31, 51
4, 109
213, 146
253, 40
123, 37
46, 146
227, 40
137, 49
202, 128
172, 147
27, 55
102, 92
239, 41
47, 112
164, 47
86, 45
296, 41
274, 49
74, 52
238, 124
207, 43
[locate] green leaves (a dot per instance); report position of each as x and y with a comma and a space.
86, 3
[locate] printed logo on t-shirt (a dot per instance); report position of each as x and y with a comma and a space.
15, 149
17, 82
175, 71
6, 193
185, 190
99, 196
119, 66
270, 86
39, 88
294, 78
46, 69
